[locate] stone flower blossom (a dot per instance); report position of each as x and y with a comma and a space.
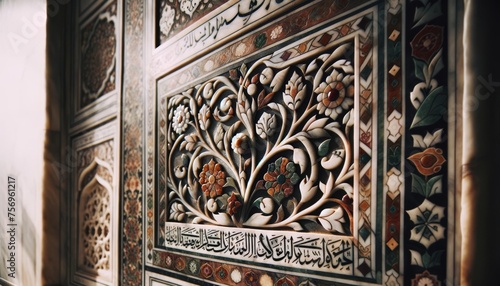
240, 143
212, 179
429, 161
233, 204
181, 118
204, 117
427, 42
280, 179
295, 92
335, 94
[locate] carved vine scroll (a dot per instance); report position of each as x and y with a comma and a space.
273, 155
269, 146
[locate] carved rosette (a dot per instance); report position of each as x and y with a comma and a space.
98, 56
269, 145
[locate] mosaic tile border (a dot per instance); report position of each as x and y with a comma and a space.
132, 270
394, 123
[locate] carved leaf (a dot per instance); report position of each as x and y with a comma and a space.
416, 258
243, 69
192, 107
307, 190
332, 219
349, 118
300, 157
258, 219
417, 184
230, 183
193, 190
223, 218
335, 160
316, 124
197, 220
436, 64
264, 99
266, 76
219, 136
247, 163
171, 195
328, 188
280, 214
345, 65
295, 226
324, 147
266, 205
196, 166
313, 65
255, 78
346, 187
279, 80
318, 78
434, 186
230, 132
291, 204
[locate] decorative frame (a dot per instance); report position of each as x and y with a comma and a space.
95, 168
346, 30
97, 92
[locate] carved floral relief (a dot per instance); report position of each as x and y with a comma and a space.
253, 158
267, 146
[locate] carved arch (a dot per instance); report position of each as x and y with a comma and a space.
94, 221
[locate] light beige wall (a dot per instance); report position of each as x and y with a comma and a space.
22, 131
